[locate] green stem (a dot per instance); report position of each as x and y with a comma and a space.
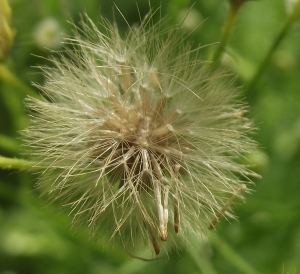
284, 30
231, 255
201, 259
7, 76
10, 163
228, 28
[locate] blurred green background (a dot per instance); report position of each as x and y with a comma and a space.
35, 239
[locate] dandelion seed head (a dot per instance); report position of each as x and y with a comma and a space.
136, 136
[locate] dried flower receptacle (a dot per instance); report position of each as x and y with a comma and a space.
137, 137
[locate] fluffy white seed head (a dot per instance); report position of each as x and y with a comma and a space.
136, 136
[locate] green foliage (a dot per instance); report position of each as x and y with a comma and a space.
36, 239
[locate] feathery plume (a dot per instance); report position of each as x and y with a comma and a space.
136, 136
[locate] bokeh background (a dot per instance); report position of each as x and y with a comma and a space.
35, 238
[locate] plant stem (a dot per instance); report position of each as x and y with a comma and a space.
10, 163
228, 28
201, 259
231, 255
284, 30
7, 76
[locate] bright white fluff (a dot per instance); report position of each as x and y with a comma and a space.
136, 136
